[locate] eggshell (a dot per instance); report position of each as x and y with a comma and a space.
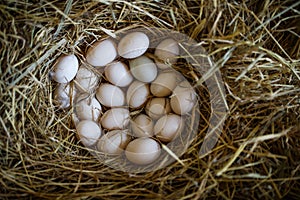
167, 50
133, 45
142, 126
101, 53
143, 69
168, 127
183, 98
89, 132
164, 84
65, 69
118, 74
87, 108
64, 95
115, 118
137, 94
110, 95
114, 142
157, 107
143, 151
86, 80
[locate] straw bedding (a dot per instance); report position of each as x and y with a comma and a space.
254, 44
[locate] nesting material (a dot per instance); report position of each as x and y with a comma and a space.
254, 45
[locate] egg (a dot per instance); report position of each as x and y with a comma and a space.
87, 107
63, 95
86, 80
101, 53
167, 50
143, 151
168, 127
142, 126
137, 94
133, 45
89, 132
115, 118
164, 84
65, 69
143, 69
118, 74
110, 95
114, 142
157, 107
183, 98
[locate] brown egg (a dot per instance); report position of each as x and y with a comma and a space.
142, 126
164, 84
183, 98
167, 50
137, 94
114, 142
143, 151
115, 118
157, 107
168, 127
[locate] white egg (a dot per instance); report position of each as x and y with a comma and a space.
114, 142
110, 95
168, 127
115, 118
157, 107
101, 53
118, 74
86, 80
142, 126
64, 95
65, 69
87, 108
143, 69
137, 94
143, 151
89, 132
164, 84
183, 98
133, 45
167, 50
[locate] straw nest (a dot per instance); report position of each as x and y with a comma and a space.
254, 44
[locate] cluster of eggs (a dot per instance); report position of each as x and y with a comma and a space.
140, 102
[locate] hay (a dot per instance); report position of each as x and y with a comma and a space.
256, 46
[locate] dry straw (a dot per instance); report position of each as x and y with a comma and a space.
255, 45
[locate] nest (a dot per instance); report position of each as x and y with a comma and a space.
255, 47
